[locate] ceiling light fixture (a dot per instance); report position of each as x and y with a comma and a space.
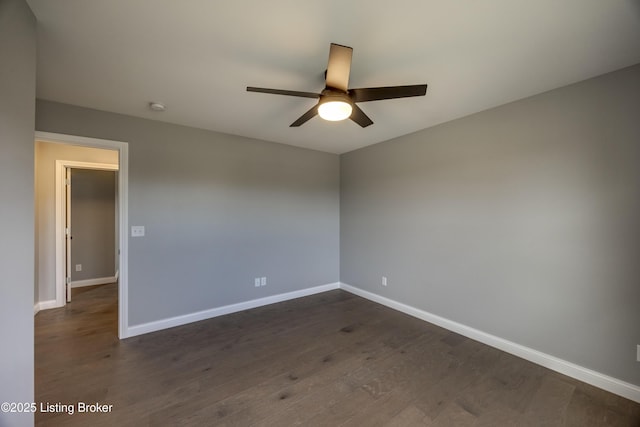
335, 107
157, 106
337, 101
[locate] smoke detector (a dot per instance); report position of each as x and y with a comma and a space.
157, 106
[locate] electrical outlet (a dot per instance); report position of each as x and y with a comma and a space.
78, 267
137, 231
263, 281
384, 280
257, 282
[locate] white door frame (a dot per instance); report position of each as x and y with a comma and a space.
123, 213
63, 261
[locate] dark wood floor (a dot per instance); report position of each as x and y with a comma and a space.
326, 360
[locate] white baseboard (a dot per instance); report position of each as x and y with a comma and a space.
44, 305
227, 309
605, 382
94, 282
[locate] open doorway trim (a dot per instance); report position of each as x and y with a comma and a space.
123, 213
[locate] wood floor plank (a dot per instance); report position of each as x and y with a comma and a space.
454, 415
366, 385
327, 359
410, 416
585, 411
323, 381
550, 402
511, 381
500, 415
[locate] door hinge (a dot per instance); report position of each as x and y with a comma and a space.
67, 181
66, 231
68, 280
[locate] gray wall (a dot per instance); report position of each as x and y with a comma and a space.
219, 210
46, 154
522, 221
17, 102
93, 222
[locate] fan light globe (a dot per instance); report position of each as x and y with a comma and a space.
335, 110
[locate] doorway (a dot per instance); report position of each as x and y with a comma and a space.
90, 221
62, 267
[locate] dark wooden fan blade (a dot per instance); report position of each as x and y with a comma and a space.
390, 92
305, 117
339, 67
283, 92
360, 117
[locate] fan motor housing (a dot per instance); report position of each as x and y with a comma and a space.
330, 95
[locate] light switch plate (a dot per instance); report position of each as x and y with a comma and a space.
137, 230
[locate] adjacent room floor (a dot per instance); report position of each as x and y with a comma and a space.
325, 360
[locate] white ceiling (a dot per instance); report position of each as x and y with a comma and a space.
198, 56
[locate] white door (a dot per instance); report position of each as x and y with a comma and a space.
68, 235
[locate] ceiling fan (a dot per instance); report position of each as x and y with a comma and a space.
337, 101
